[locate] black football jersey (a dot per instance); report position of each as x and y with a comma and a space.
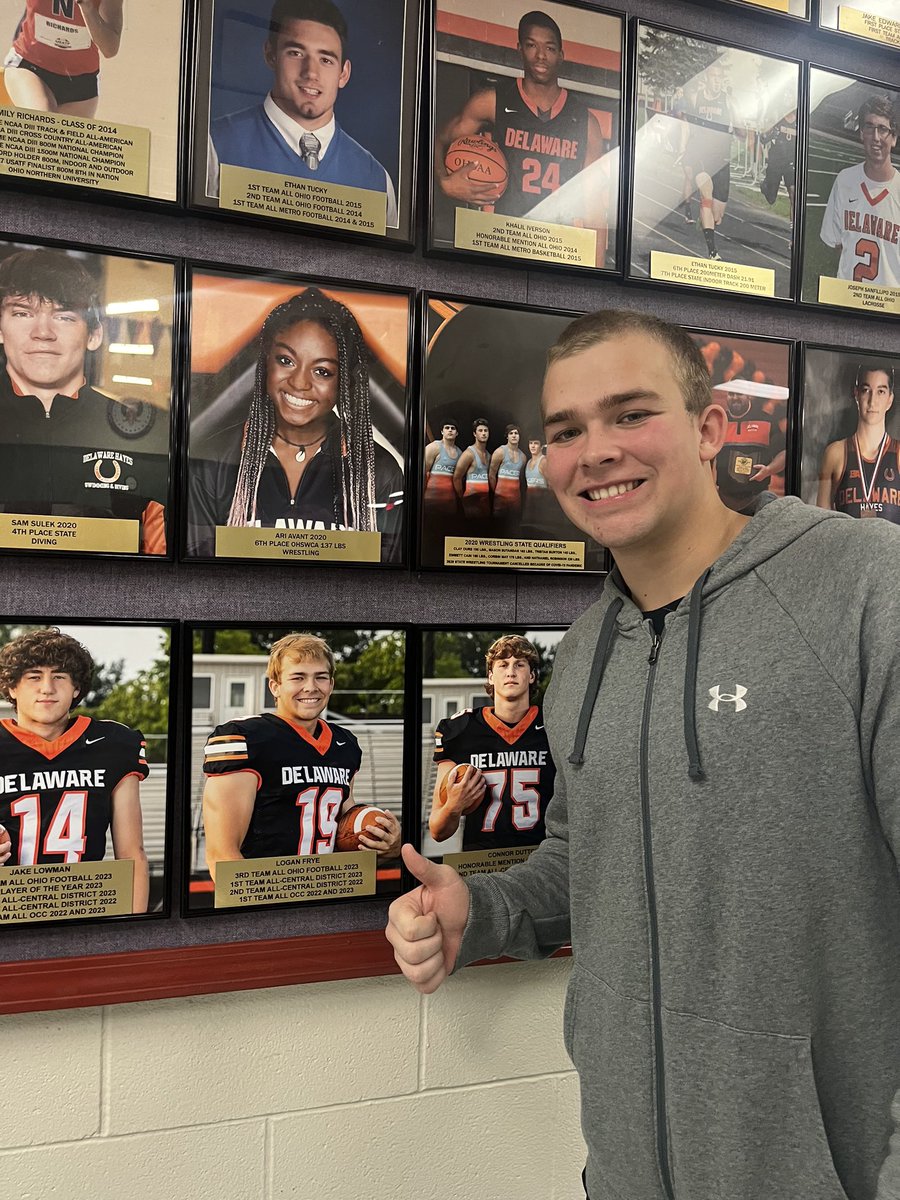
543, 150
56, 797
518, 769
303, 780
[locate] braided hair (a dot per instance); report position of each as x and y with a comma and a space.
350, 449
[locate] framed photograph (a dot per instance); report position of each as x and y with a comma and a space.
752, 377
714, 161
87, 363
303, 801
851, 231
488, 774
297, 418
873, 20
798, 9
306, 113
525, 131
91, 95
485, 501
85, 793
848, 431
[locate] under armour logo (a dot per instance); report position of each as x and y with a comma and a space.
736, 698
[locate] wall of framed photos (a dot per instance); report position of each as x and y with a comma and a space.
455, 312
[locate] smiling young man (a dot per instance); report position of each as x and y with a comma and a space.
65, 780
277, 783
294, 132
506, 782
723, 839
859, 475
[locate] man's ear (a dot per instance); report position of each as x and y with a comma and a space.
95, 338
344, 77
712, 428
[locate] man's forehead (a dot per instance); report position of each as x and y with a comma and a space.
291, 665
17, 300
311, 35
874, 378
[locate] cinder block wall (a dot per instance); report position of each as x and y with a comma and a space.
358, 1089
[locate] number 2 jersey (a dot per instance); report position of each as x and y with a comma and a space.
516, 763
56, 797
862, 216
302, 783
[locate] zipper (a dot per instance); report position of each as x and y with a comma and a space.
662, 1125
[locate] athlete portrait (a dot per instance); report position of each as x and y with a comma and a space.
288, 85
279, 783
67, 780
713, 161
297, 411
70, 447
528, 132
849, 432
493, 775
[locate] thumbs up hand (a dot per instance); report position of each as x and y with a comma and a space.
425, 927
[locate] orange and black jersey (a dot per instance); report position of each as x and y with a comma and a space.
870, 487
303, 781
516, 764
56, 797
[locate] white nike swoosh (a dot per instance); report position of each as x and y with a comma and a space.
90, 741
340, 743
539, 727
505, 109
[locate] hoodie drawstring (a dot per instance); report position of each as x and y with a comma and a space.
601, 653
695, 768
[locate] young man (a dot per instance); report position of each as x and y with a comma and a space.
65, 780
859, 474
60, 452
471, 477
723, 840
505, 476
706, 151
547, 134
441, 457
294, 131
863, 210
510, 775
277, 784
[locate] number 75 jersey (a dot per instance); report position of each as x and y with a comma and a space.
56, 797
517, 767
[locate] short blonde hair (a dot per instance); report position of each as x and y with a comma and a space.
304, 647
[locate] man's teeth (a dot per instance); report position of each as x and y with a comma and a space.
616, 489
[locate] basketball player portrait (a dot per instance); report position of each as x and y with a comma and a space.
277, 784
494, 770
67, 781
859, 474
543, 118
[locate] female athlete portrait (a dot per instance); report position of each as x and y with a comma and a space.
305, 453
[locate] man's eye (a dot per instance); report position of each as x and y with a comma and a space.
632, 417
563, 435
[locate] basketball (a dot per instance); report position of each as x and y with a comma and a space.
485, 159
451, 777
353, 823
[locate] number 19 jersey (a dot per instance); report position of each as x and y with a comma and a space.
56, 796
303, 780
516, 764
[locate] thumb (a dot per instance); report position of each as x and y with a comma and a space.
432, 874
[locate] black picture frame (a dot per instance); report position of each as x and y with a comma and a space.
101, 154
793, 10
860, 274
864, 22
385, 783
568, 244
220, 293
833, 382
680, 255
144, 695
230, 37
101, 482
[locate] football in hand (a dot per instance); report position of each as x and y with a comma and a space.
456, 772
354, 822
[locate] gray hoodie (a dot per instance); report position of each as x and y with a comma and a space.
722, 849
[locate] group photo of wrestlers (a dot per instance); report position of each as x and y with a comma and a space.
486, 500
296, 764
297, 419
526, 116
851, 241
86, 371
105, 76
84, 753
874, 20
713, 177
849, 430
305, 110
487, 770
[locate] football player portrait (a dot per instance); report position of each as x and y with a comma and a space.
278, 784
65, 780
494, 770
